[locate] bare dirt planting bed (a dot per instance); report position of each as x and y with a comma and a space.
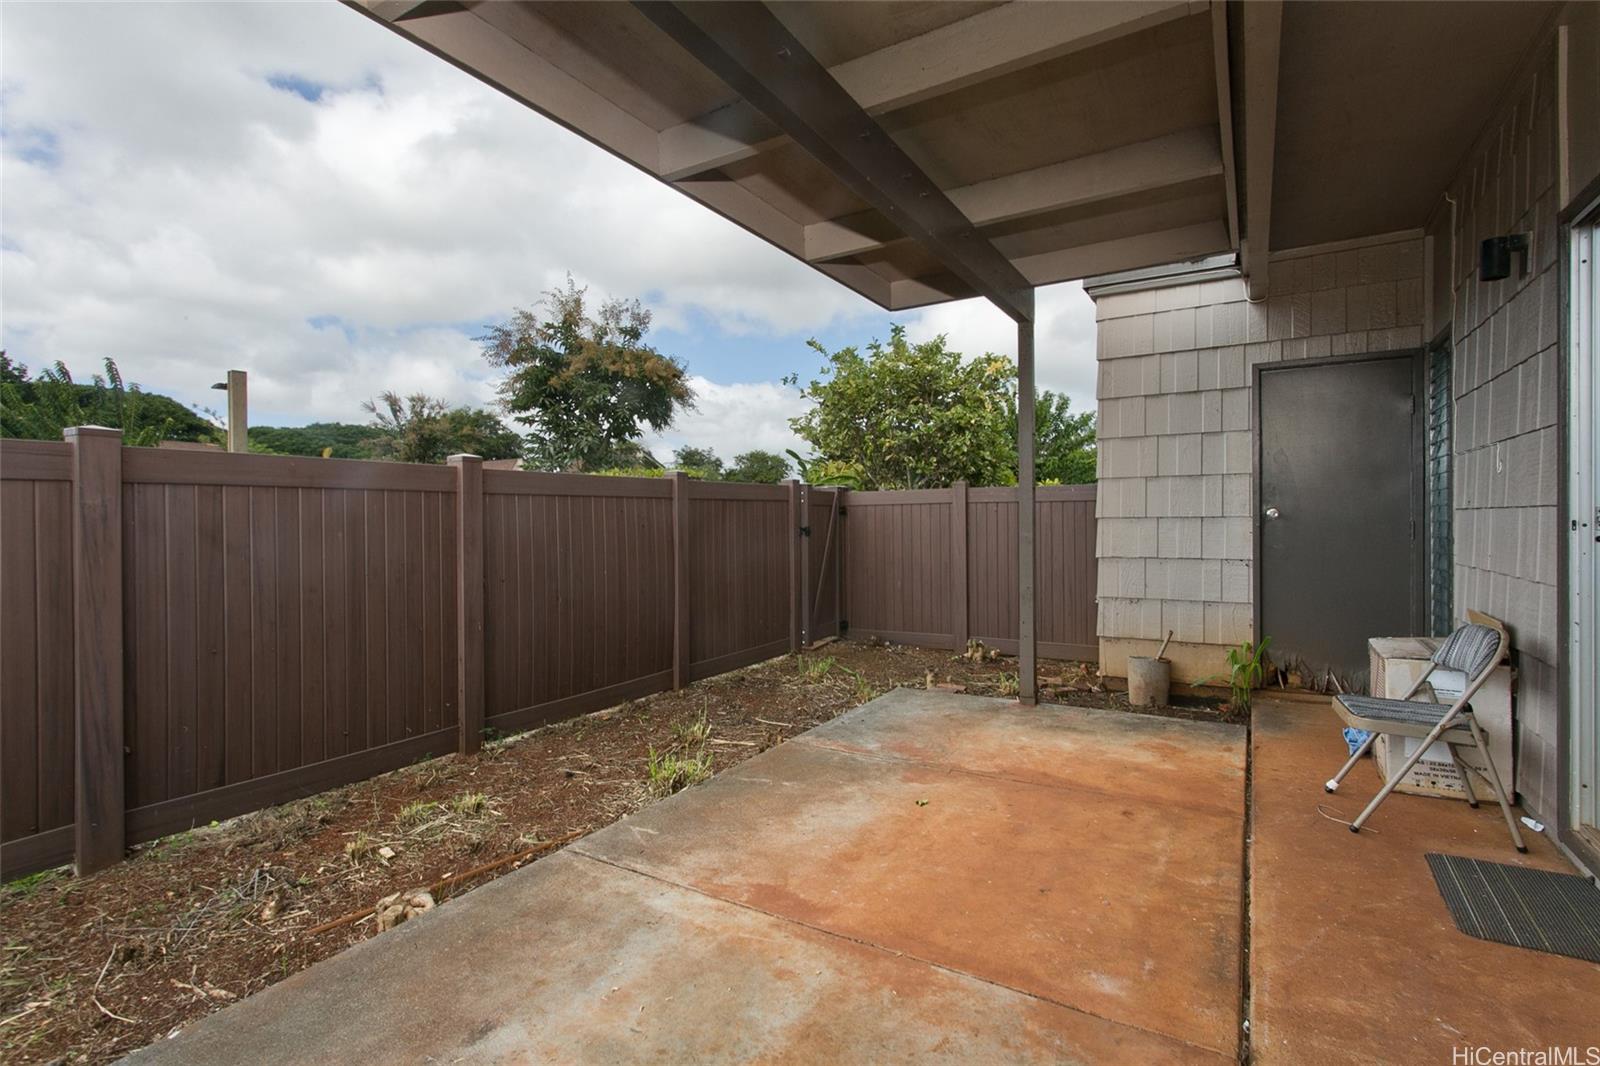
92, 968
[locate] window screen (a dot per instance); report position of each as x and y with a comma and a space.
1441, 540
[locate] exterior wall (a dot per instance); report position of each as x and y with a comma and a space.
1175, 514
1506, 375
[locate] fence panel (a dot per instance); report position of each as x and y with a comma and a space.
905, 568
280, 615
36, 661
287, 625
1065, 578
739, 589
578, 594
897, 566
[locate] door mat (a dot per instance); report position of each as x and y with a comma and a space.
1538, 909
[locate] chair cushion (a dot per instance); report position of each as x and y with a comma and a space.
1469, 649
1409, 712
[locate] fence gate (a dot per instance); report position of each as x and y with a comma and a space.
821, 576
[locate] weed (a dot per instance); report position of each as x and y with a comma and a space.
815, 670
417, 811
695, 733
360, 847
685, 762
1010, 685
469, 803
668, 771
864, 692
1246, 666
27, 886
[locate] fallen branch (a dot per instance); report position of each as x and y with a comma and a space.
446, 882
780, 725
108, 1014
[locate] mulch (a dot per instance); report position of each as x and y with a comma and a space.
92, 968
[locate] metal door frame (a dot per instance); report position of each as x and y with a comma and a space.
1584, 212
1419, 490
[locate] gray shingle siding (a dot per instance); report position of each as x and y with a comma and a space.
1175, 417
1505, 378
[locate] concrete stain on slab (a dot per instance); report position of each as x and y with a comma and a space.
1354, 957
571, 960
857, 895
1112, 903
1191, 763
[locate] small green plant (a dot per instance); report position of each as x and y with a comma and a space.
1247, 665
695, 733
814, 670
685, 762
1010, 685
417, 811
359, 848
469, 803
669, 771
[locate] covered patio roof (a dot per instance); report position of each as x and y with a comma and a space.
921, 152
926, 152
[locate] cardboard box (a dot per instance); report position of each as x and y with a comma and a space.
1396, 663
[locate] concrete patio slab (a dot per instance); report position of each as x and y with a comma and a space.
571, 960
822, 904
1192, 764
1100, 898
1353, 955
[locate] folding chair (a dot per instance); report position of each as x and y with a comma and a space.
1475, 650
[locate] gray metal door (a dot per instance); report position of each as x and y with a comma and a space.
1339, 509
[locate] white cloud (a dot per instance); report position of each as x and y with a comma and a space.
733, 419
166, 204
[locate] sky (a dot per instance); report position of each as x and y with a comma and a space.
292, 190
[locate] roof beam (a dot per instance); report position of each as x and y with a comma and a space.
1262, 35
987, 45
1161, 162
491, 43
1176, 245
403, 10
755, 54
1219, 49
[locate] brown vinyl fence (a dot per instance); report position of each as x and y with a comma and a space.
190, 635
937, 567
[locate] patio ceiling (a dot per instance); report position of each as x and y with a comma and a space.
923, 152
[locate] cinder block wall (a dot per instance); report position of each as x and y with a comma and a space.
1506, 382
1174, 515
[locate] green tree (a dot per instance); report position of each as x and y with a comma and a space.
340, 440
912, 416
1064, 444
587, 385
767, 468
478, 431
41, 407
421, 429
700, 462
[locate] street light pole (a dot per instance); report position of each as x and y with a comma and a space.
238, 410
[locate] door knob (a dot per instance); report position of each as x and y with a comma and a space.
1272, 512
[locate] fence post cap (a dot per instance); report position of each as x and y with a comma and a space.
464, 457
71, 432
